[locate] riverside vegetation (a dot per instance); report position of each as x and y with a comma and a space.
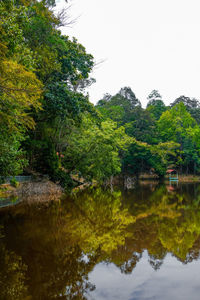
49, 126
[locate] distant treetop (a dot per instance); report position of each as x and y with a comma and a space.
128, 94
125, 95
155, 105
190, 103
153, 96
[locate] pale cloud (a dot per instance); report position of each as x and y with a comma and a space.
146, 44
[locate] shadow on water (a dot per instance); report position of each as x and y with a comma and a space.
48, 252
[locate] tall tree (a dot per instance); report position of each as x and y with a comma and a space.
124, 102
177, 125
155, 104
192, 105
96, 151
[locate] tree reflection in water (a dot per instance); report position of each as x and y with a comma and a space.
48, 252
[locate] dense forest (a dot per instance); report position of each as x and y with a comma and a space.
48, 124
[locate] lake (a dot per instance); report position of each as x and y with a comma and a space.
100, 244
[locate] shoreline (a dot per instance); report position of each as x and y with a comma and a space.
30, 192
46, 191
181, 178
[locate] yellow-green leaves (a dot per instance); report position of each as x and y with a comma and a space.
20, 92
94, 150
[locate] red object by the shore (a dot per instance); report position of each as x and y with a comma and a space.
170, 171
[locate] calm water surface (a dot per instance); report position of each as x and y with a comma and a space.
128, 245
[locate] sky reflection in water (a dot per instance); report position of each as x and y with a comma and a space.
173, 281
98, 244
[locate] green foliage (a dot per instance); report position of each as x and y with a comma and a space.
20, 91
14, 182
48, 124
192, 105
93, 151
12, 158
141, 126
60, 102
155, 105
136, 159
174, 122
177, 125
123, 103
40, 69
142, 158
63, 178
115, 113
163, 155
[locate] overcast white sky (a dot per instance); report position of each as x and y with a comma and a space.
146, 44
